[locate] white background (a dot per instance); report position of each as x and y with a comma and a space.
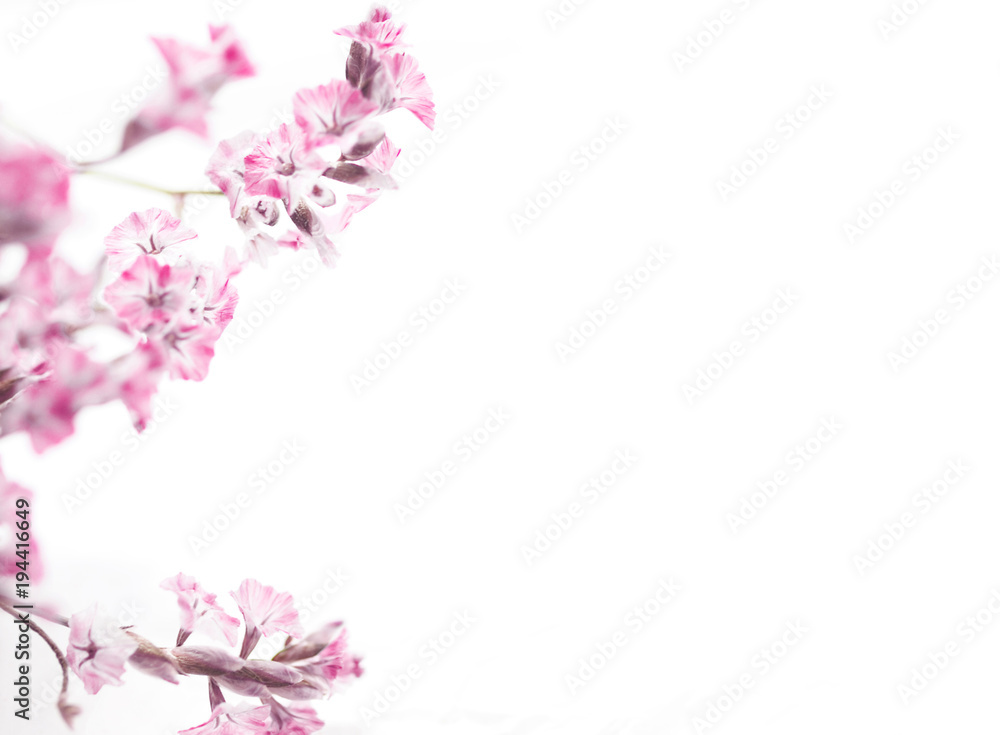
656, 185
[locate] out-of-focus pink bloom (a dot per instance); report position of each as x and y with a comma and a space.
153, 232
337, 113
383, 158
379, 31
216, 298
265, 612
200, 611
229, 719
196, 74
98, 649
292, 718
46, 409
150, 293
10, 493
412, 91
137, 376
34, 197
189, 348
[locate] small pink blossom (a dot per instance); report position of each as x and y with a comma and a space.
412, 91
189, 348
137, 376
228, 719
199, 610
282, 158
338, 113
379, 31
34, 196
292, 718
265, 612
98, 649
383, 158
153, 232
149, 293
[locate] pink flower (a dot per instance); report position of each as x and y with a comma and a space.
378, 31
47, 408
338, 113
216, 297
137, 376
189, 348
265, 612
228, 719
196, 74
153, 232
150, 293
199, 610
383, 158
34, 196
278, 161
98, 649
292, 718
10, 493
412, 92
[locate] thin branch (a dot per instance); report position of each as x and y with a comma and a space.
150, 187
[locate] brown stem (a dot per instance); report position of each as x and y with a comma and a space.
68, 711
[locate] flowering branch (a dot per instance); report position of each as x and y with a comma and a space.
294, 188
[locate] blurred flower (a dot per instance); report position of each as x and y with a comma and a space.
98, 649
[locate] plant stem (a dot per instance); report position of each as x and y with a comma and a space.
144, 185
55, 649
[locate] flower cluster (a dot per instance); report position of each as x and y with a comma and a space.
300, 185
155, 306
306, 668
